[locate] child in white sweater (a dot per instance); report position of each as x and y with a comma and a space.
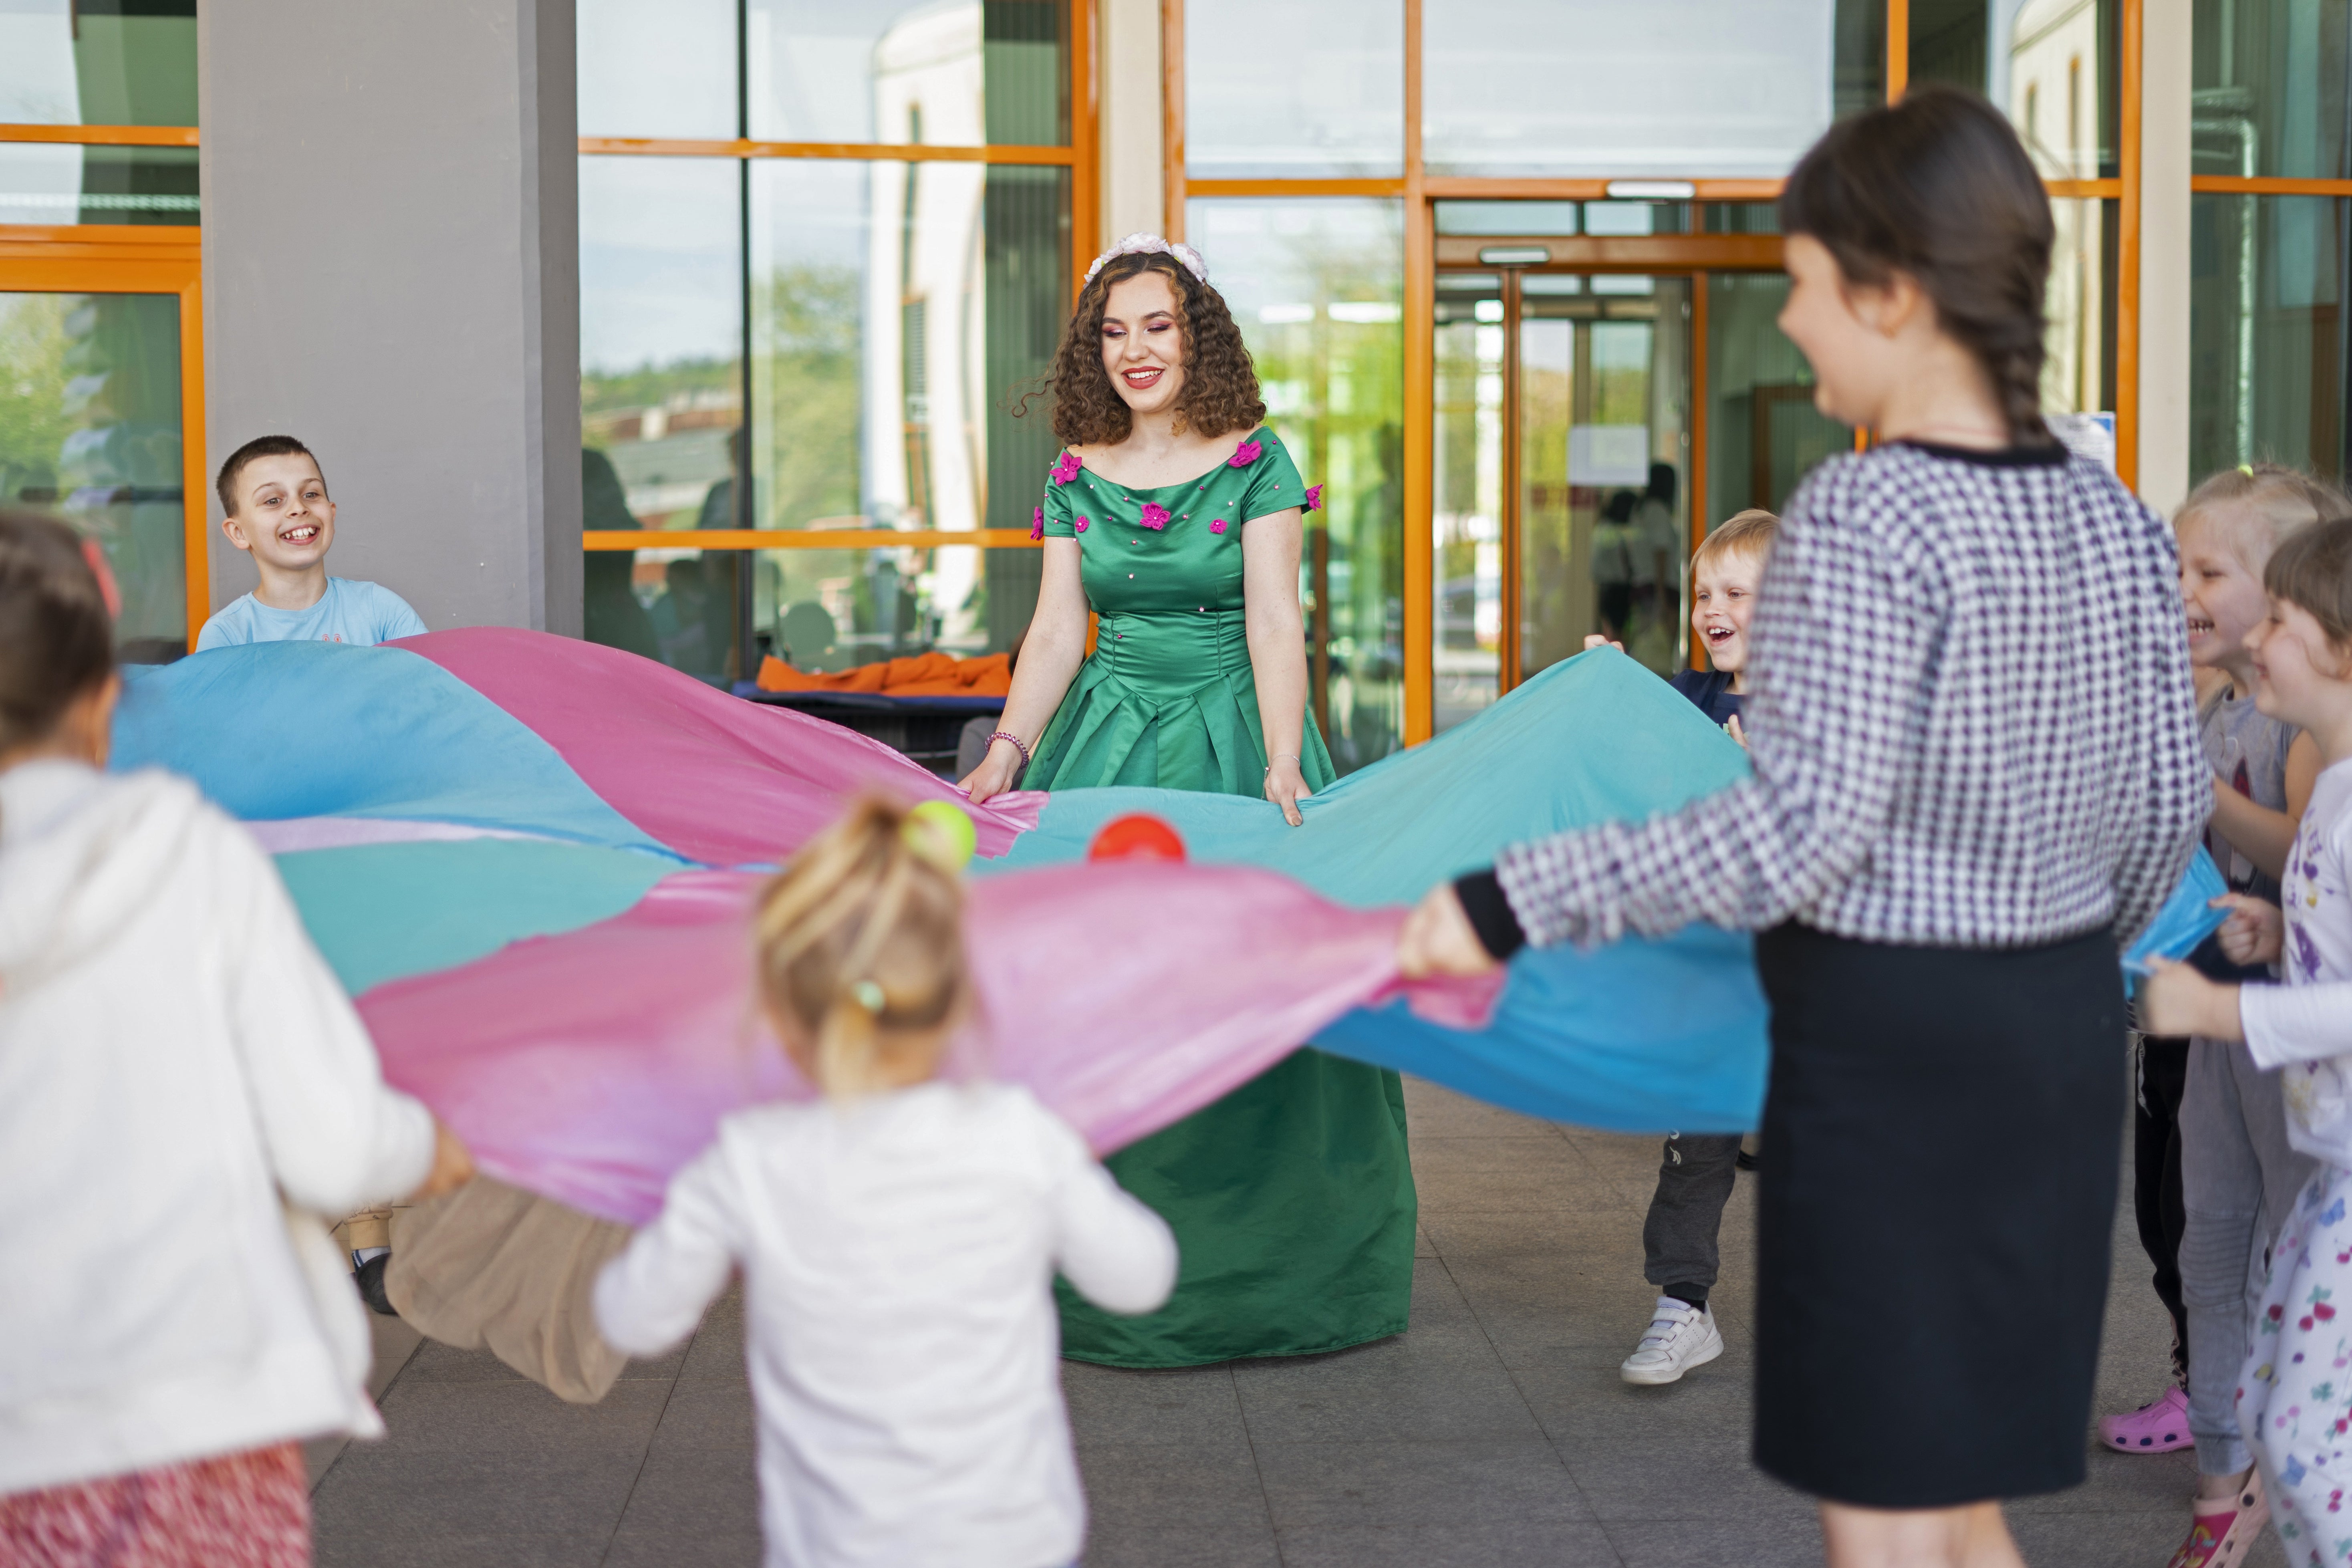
898, 1240
2295, 1397
184, 1088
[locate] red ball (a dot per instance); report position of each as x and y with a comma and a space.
1137, 836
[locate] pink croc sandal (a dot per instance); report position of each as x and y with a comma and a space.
2221, 1539
2157, 1427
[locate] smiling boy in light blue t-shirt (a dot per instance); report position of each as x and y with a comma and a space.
279, 513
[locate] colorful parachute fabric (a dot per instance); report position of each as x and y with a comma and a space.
529, 858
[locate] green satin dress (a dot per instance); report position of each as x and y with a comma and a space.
1292, 1197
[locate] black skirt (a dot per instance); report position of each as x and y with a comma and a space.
1942, 1137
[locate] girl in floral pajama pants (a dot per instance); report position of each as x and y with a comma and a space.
2295, 1397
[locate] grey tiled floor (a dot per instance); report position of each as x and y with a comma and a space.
1495, 1432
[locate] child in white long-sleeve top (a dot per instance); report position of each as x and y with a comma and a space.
2224, 1171
2294, 1395
178, 1070
898, 1240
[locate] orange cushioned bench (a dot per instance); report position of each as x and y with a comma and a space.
924, 675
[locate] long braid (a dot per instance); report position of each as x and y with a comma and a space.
1940, 188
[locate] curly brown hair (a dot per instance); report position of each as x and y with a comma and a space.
1220, 391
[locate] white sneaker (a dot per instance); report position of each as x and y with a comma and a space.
1680, 1337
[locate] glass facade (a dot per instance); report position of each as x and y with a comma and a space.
1466, 520
1563, 474
855, 365
897, 311
1587, 423
89, 430
821, 343
1318, 287
1251, 111
670, 70
2048, 64
97, 62
2268, 87
62, 183
955, 74
1603, 219
2267, 272
1763, 433
91, 337
661, 399
1604, 420
1682, 88
2078, 372
2266, 332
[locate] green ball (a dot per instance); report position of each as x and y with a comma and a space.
951, 829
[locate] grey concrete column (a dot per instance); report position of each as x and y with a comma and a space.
2164, 169
390, 266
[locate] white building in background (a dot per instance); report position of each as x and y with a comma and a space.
2052, 52
925, 463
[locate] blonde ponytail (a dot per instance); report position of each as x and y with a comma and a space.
2281, 501
860, 950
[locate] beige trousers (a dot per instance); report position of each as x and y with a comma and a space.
493, 1267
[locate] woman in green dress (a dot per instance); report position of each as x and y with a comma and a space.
1177, 518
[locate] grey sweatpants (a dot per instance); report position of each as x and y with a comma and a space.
1695, 1180
2239, 1178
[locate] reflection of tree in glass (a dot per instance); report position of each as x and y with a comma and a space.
807, 329
1334, 385
615, 401
605, 394
89, 426
1620, 372
33, 376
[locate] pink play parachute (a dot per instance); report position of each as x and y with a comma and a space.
531, 860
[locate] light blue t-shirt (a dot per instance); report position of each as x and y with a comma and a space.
349, 610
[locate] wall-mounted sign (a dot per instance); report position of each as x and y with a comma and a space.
1609, 455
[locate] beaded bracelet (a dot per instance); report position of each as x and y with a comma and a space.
1018, 744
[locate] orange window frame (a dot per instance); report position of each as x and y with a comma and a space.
1081, 157
1419, 190
127, 258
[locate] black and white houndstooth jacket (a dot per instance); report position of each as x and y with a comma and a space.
1971, 722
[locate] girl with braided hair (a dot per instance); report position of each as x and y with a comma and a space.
1977, 779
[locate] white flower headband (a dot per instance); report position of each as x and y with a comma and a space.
1152, 244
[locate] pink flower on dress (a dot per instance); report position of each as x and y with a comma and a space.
1066, 469
1314, 497
1037, 523
1218, 526
1082, 525
1154, 515
1245, 455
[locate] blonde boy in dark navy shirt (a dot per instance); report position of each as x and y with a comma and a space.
1680, 1255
